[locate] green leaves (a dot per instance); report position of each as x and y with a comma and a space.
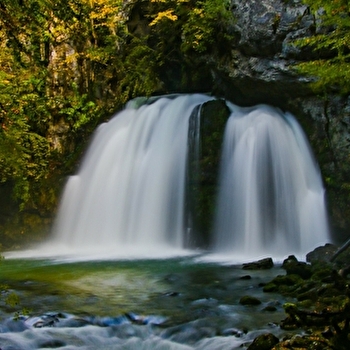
331, 42
201, 22
207, 21
65, 66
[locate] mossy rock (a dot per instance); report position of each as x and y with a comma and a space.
264, 342
298, 268
305, 287
284, 284
249, 300
321, 274
310, 342
270, 288
306, 304
270, 308
287, 280
289, 324
310, 295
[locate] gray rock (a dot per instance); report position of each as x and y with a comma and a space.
323, 253
262, 264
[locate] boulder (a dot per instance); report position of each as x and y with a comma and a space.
264, 342
294, 267
322, 253
249, 300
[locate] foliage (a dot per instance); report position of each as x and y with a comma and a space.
65, 66
202, 22
206, 23
331, 43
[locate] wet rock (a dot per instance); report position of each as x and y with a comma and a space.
270, 308
249, 300
46, 320
294, 267
52, 344
233, 331
246, 277
283, 284
201, 187
264, 342
323, 253
291, 259
309, 295
263, 264
143, 320
312, 342
270, 287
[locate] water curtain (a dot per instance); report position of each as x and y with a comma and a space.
130, 192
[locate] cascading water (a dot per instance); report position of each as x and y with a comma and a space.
129, 193
271, 196
130, 196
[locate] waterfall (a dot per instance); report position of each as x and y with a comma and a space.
131, 196
129, 193
271, 196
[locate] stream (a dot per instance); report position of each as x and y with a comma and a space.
178, 303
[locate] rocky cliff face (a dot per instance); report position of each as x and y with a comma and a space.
260, 69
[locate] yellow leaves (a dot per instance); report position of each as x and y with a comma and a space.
103, 12
170, 1
198, 12
168, 14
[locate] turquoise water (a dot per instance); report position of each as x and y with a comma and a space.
170, 304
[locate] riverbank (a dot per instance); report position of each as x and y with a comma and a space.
320, 311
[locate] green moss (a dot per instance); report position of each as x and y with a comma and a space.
203, 173
270, 287
249, 300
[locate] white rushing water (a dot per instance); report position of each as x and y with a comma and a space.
271, 197
128, 198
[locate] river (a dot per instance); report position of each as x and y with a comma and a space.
178, 303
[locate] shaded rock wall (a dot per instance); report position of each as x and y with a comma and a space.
203, 169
